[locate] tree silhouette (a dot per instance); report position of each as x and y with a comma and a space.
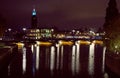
113, 33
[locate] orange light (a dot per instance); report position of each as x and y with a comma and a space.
44, 43
65, 42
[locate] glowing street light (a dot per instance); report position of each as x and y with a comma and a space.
24, 29
9, 29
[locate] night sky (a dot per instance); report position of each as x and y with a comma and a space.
64, 14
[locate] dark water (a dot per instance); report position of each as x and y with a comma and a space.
58, 61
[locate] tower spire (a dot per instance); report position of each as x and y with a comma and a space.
34, 11
34, 18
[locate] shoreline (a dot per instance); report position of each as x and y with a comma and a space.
112, 61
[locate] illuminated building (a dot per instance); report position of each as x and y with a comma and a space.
33, 34
36, 34
10, 35
46, 32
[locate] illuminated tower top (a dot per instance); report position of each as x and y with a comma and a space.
34, 19
34, 12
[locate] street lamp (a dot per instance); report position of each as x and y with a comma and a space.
24, 29
9, 29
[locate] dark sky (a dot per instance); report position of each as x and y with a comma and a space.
64, 14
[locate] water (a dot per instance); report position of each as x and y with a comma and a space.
58, 61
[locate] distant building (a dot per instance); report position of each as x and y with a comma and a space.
10, 35
47, 32
35, 33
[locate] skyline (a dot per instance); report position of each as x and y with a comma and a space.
68, 14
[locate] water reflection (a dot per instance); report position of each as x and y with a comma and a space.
52, 58
58, 56
37, 57
103, 61
91, 59
77, 58
75, 64
24, 60
60, 60
73, 60
61, 57
106, 75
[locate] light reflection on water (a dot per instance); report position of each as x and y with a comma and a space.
77, 58
75, 62
73, 59
37, 57
34, 58
58, 56
91, 59
61, 57
24, 60
52, 58
103, 64
48, 54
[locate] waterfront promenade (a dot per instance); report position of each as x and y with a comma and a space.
6, 54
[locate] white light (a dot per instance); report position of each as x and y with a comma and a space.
24, 29
61, 65
24, 60
73, 31
0, 38
77, 58
52, 59
106, 75
97, 34
34, 12
60, 42
103, 64
52, 29
9, 29
116, 46
32, 48
91, 59
73, 60
9, 70
37, 56
58, 52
